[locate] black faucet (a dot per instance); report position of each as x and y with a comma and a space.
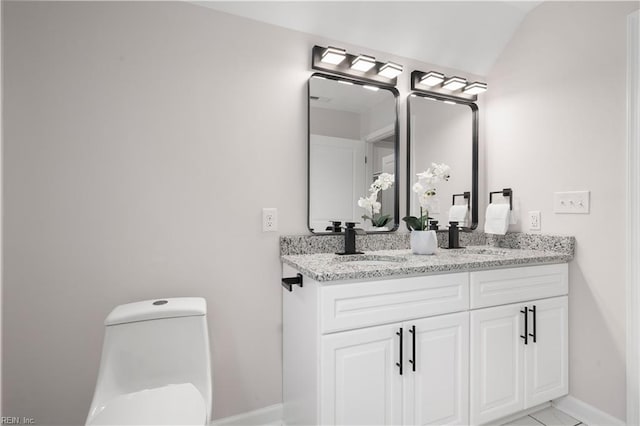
454, 235
335, 227
350, 232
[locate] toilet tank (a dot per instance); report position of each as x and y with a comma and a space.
155, 343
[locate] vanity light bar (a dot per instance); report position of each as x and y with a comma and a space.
390, 70
446, 88
432, 78
454, 83
333, 55
475, 88
361, 67
363, 63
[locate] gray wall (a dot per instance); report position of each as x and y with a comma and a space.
556, 121
141, 141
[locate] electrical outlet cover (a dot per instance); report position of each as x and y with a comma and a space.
534, 220
269, 219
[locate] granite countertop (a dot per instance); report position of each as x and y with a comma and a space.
324, 267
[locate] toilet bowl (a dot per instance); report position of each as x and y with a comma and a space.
155, 365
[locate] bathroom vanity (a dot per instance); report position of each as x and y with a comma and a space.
462, 337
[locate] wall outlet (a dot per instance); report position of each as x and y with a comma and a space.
269, 219
534, 220
572, 202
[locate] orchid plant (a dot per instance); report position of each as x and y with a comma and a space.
371, 203
425, 188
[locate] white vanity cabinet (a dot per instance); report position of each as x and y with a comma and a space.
519, 351
366, 379
459, 350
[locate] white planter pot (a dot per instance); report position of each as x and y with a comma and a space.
424, 242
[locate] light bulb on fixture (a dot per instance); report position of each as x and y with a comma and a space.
390, 70
475, 88
454, 83
363, 63
333, 55
432, 78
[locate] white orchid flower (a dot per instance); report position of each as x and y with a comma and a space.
364, 203
441, 170
383, 182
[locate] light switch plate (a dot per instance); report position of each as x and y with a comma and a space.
571, 202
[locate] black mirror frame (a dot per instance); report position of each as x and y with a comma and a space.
474, 152
396, 189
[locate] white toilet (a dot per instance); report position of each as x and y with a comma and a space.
155, 367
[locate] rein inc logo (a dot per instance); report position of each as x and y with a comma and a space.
6, 420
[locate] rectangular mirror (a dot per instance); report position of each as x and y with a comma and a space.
441, 130
353, 142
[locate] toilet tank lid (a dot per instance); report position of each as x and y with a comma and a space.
157, 309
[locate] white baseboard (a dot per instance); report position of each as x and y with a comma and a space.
586, 413
271, 415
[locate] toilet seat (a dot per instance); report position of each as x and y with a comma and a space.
167, 405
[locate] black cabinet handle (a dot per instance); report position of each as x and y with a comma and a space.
399, 364
288, 283
526, 326
534, 323
413, 347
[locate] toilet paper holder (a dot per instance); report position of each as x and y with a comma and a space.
466, 195
506, 192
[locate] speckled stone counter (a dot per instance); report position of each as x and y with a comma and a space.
324, 267
309, 244
331, 243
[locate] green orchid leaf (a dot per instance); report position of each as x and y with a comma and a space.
414, 223
381, 220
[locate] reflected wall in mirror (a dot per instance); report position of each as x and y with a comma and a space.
441, 130
353, 139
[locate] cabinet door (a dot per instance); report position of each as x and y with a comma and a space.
360, 382
497, 356
546, 360
437, 392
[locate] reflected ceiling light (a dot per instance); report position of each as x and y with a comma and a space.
390, 70
475, 88
449, 102
372, 88
454, 83
333, 55
363, 63
348, 83
432, 78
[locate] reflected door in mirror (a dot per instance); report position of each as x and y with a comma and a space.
352, 141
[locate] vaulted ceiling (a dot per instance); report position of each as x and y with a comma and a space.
466, 35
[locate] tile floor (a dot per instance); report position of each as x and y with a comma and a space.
550, 416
